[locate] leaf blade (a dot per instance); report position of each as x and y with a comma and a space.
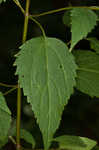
5, 120
88, 72
94, 44
47, 61
27, 136
82, 22
71, 142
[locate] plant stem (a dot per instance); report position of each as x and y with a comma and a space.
63, 9
19, 5
26, 21
7, 85
9, 91
47, 13
18, 145
12, 139
27, 17
39, 25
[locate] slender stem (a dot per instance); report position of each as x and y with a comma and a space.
9, 91
49, 12
63, 9
7, 85
18, 145
26, 21
55, 10
40, 26
12, 139
69, 42
19, 5
27, 16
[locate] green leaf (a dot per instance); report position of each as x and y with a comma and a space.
94, 44
88, 72
66, 18
5, 120
3, 141
2, 1
83, 20
47, 73
27, 136
70, 142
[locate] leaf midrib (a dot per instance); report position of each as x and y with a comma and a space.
63, 70
46, 60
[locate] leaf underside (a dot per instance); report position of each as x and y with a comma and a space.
70, 142
47, 74
83, 20
88, 72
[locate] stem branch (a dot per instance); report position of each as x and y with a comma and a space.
19, 89
63, 9
18, 147
7, 85
39, 25
9, 91
26, 21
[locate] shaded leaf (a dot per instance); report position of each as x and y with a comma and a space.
94, 44
83, 20
27, 136
88, 72
47, 73
5, 120
70, 142
3, 141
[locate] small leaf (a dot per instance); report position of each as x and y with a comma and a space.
88, 72
66, 18
75, 142
5, 120
94, 44
47, 74
27, 136
83, 20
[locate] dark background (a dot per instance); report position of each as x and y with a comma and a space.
81, 115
